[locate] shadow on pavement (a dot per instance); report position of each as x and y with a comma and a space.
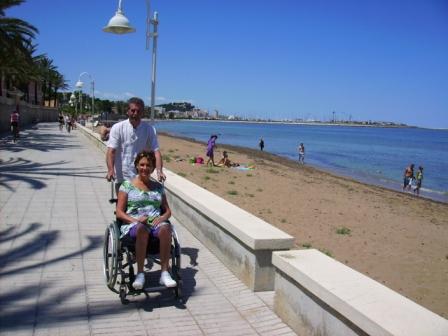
17, 314
32, 227
40, 138
16, 169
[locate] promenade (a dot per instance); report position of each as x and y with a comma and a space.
53, 212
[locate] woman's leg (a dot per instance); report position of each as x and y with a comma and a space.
165, 246
141, 244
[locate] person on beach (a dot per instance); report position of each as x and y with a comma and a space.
211, 145
126, 139
143, 208
225, 161
301, 153
408, 176
419, 180
261, 144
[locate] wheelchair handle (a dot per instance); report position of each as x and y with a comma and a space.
112, 191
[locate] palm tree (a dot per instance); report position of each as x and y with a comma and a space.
18, 64
15, 40
59, 82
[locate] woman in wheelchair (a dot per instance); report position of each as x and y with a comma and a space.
143, 208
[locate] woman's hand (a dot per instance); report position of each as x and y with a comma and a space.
157, 221
143, 219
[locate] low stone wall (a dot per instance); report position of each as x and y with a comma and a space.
28, 113
317, 295
243, 242
94, 137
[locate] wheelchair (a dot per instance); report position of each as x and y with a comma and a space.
120, 260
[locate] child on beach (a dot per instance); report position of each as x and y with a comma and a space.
301, 153
418, 180
225, 161
408, 176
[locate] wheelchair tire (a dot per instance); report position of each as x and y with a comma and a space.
176, 267
110, 254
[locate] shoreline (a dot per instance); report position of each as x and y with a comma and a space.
430, 195
395, 238
305, 123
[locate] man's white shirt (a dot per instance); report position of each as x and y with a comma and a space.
128, 142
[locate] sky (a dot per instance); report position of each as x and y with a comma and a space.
379, 60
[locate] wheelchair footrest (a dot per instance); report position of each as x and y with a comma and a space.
156, 289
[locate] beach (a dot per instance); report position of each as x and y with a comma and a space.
395, 238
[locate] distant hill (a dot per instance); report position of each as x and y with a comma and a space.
183, 107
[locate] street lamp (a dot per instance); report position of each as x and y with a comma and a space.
73, 102
80, 84
119, 24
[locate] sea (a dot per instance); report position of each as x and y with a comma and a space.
373, 155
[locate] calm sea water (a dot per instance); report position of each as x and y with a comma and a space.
369, 154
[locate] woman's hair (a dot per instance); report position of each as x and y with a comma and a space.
145, 154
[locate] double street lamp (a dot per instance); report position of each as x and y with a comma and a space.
74, 102
119, 24
80, 84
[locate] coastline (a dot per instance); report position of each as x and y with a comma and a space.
383, 183
395, 238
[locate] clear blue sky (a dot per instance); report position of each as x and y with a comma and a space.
373, 59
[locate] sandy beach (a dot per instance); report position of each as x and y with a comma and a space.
395, 238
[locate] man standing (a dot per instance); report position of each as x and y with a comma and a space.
126, 139
301, 153
261, 144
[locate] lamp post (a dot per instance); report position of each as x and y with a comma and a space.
74, 102
80, 84
119, 24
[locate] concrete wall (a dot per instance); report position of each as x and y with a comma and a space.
28, 113
317, 295
243, 242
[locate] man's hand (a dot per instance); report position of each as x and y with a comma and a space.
110, 176
160, 175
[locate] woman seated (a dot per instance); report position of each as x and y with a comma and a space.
225, 161
143, 208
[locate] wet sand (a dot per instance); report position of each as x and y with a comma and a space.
395, 238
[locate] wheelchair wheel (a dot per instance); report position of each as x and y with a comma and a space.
176, 267
110, 254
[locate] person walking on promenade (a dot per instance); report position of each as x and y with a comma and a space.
61, 121
408, 176
301, 153
14, 123
126, 139
211, 145
419, 180
261, 144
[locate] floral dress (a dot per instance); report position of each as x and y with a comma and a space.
141, 203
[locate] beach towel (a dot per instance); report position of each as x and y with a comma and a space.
244, 168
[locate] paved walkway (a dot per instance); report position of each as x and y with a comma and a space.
53, 213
